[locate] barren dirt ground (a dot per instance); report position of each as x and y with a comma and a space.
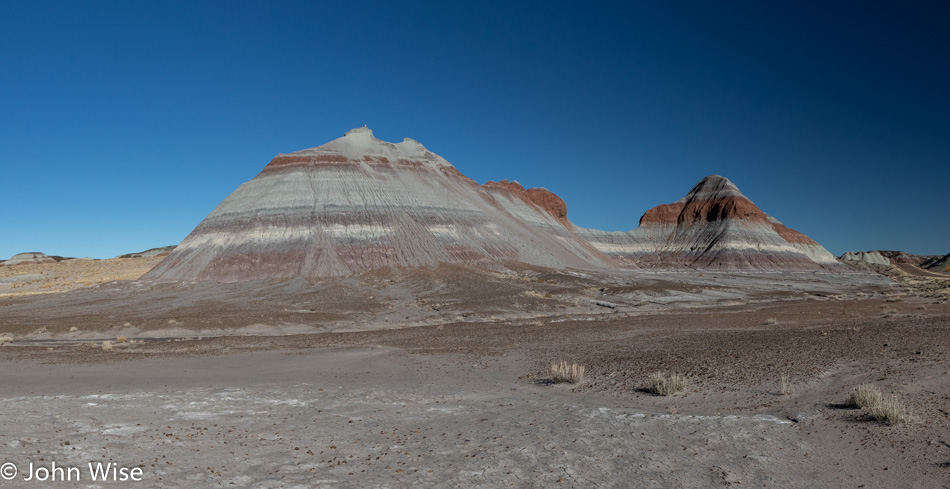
71, 274
463, 397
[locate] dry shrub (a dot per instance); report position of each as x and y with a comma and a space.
73, 329
564, 372
5, 339
106, 346
864, 395
889, 410
662, 384
886, 409
771, 322
121, 339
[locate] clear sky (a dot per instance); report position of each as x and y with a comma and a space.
123, 124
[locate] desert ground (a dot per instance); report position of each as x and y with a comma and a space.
442, 378
71, 274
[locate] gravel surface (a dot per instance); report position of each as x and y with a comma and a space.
459, 393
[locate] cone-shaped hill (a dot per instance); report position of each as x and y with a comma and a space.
358, 203
713, 226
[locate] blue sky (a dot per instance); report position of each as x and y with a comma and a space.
125, 123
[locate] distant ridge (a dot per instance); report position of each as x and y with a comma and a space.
31, 257
163, 251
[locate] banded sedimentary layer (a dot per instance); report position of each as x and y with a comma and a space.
358, 203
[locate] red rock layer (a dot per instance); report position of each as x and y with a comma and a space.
728, 207
662, 214
541, 197
709, 201
791, 235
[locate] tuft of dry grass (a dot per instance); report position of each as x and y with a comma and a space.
786, 386
564, 372
864, 395
5, 339
771, 322
885, 409
106, 346
73, 329
889, 410
662, 384
121, 339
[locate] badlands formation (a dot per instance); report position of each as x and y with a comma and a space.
938, 264
868, 257
361, 314
713, 226
358, 203
32, 257
897, 257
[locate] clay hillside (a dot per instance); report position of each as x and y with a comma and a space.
358, 203
713, 226
941, 264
